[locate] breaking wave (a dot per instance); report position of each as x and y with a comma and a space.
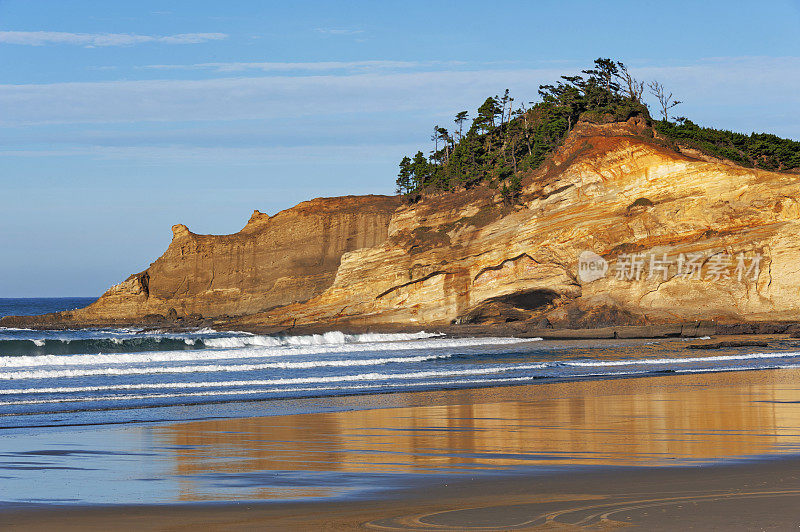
148, 343
93, 372
328, 338
214, 368
243, 352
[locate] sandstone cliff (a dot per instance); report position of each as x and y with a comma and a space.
613, 190
287, 258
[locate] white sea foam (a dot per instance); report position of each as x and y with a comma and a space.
308, 380
724, 370
215, 368
286, 390
686, 360
223, 393
373, 376
390, 376
328, 338
244, 352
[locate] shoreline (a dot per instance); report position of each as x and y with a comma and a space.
661, 421
516, 329
704, 449
716, 450
719, 342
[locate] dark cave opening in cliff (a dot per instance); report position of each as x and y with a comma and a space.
518, 306
530, 299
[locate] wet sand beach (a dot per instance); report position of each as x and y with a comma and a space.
750, 496
704, 450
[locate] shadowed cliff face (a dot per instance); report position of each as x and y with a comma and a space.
612, 190
273, 261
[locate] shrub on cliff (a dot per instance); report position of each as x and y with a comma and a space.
760, 150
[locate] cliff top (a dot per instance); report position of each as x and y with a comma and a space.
505, 141
313, 207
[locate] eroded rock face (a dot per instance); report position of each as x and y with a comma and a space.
612, 190
613, 193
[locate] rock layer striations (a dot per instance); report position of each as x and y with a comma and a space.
615, 191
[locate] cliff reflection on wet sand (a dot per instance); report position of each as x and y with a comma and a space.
654, 421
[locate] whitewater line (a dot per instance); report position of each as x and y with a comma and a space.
52, 374
662, 361
364, 376
268, 390
245, 352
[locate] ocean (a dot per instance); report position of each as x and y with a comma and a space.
135, 416
32, 306
100, 376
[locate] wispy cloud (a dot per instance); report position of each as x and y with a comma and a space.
42, 38
741, 94
329, 155
232, 98
338, 31
319, 66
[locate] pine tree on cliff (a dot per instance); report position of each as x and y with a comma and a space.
604, 74
447, 141
404, 184
486, 114
504, 103
461, 117
420, 170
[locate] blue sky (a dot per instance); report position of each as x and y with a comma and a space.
120, 119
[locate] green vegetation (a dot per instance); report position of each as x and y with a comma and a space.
760, 150
505, 140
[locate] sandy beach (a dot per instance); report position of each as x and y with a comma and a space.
711, 450
751, 496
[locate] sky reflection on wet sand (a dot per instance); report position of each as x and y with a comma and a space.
656, 421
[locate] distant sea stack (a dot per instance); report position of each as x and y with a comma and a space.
615, 190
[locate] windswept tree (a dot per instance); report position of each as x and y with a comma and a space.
604, 73
665, 101
435, 138
461, 117
630, 85
487, 113
566, 98
505, 104
447, 142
